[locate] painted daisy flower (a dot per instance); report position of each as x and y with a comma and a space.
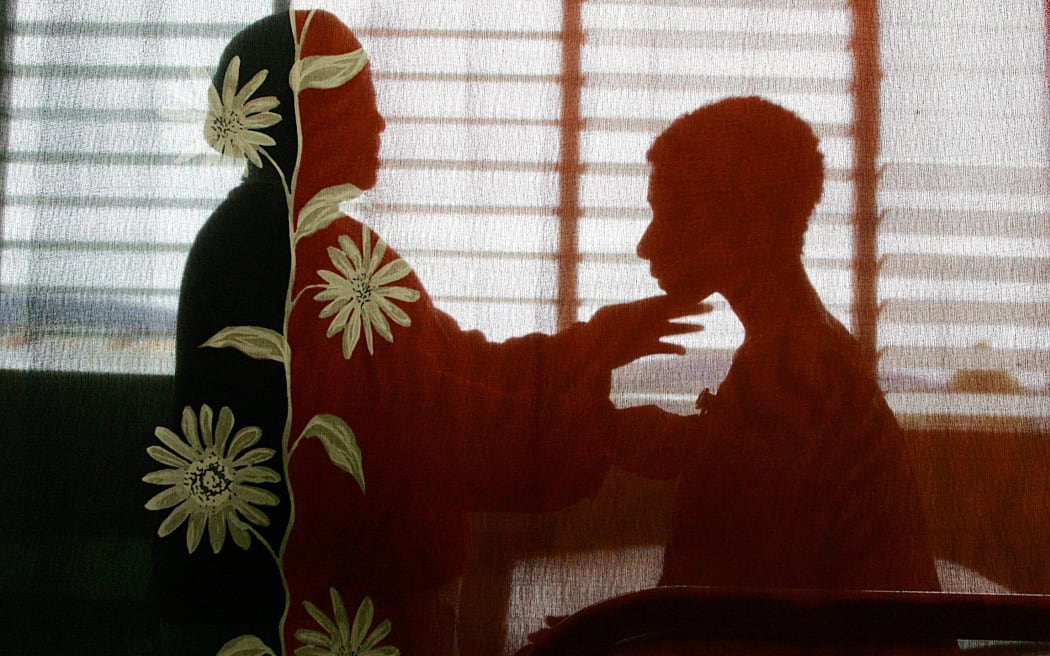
210, 479
359, 295
339, 638
232, 121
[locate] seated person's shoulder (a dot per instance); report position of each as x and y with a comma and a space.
800, 371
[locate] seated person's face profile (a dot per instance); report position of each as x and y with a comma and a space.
685, 246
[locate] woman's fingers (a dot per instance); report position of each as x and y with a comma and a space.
679, 328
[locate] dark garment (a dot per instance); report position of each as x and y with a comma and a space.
236, 275
801, 480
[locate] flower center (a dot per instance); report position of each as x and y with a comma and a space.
361, 288
227, 124
210, 482
344, 650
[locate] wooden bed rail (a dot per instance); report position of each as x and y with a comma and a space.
799, 618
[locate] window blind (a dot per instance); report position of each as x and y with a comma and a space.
514, 177
468, 189
98, 209
964, 287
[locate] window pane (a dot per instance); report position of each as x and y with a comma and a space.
99, 210
965, 283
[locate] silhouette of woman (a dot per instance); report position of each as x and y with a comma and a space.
386, 421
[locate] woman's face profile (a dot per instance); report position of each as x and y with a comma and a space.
365, 126
345, 129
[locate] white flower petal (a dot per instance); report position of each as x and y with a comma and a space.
333, 293
214, 103
194, 531
366, 328
206, 421
244, 438
351, 334
216, 531
341, 620
166, 498
189, 428
253, 156
261, 104
322, 619
350, 248
381, 631
165, 457
366, 244
379, 321
331, 278
377, 257
257, 475
340, 307
223, 428
396, 314
252, 514
340, 319
399, 293
250, 87
175, 519
342, 262
395, 270
239, 531
256, 495
315, 638
334, 307
362, 620
249, 138
164, 477
262, 120
229, 83
254, 457
232, 149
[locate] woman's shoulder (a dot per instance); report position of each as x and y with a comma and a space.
252, 215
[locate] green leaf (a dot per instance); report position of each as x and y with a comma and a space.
340, 444
323, 208
245, 645
326, 71
255, 342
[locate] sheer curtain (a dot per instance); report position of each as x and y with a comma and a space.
513, 181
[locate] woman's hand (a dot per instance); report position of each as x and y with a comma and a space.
619, 334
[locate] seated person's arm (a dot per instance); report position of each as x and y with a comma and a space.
651, 442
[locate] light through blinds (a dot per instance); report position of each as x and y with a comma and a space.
468, 188
98, 209
964, 287
514, 176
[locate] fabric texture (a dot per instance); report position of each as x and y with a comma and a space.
320, 333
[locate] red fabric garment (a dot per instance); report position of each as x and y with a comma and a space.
479, 421
446, 421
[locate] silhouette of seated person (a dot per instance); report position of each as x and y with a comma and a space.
447, 421
795, 475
